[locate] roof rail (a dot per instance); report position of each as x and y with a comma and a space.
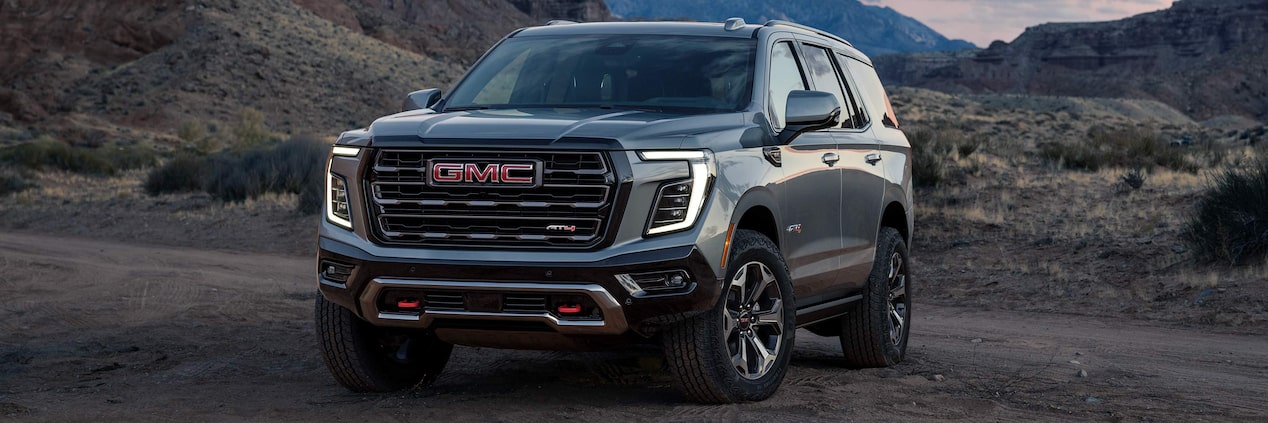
559, 22
803, 27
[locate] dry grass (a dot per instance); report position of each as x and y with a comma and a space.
1005, 229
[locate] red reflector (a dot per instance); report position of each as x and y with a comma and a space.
569, 308
408, 303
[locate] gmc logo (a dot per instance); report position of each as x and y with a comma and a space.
475, 173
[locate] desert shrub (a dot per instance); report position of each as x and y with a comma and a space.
180, 174
130, 157
1230, 220
933, 148
294, 166
249, 132
1135, 178
48, 153
1118, 148
12, 181
928, 163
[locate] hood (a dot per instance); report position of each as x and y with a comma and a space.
580, 128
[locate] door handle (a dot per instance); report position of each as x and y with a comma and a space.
872, 158
831, 158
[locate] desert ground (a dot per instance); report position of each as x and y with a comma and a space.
113, 331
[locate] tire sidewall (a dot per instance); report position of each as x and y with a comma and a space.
747, 249
878, 290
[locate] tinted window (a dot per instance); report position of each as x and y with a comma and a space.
859, 113
873, 92
642, 71
824, 74
785, 76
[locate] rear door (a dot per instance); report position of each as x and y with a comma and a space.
858, 210
810, 191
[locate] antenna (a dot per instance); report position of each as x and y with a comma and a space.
560, 22
733, 24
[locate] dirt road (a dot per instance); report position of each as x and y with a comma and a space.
103, 331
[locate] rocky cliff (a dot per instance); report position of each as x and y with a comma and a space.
1203, 57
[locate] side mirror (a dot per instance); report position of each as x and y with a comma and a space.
809, 111
422, 99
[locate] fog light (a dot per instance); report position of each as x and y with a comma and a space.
651, 283
334, 271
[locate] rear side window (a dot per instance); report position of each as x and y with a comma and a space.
824, 74
851, 90
785, 76
873, 92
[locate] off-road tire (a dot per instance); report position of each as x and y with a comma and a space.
360, 356
865, 331
696, 349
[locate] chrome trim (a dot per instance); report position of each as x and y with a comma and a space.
613, 322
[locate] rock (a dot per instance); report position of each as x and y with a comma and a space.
1078, 353
976, 340
1082, 373
1075, 362
1178, 249
1093, 400
939, 378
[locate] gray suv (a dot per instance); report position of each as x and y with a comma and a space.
710, 187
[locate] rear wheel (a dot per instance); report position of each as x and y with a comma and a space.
366, 358
739, 350
874, 334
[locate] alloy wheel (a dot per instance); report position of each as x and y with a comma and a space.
754, 320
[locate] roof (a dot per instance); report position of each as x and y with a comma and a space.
659, 28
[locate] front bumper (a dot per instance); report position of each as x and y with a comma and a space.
620, 313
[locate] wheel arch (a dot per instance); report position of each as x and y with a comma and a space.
895, 216
757, 211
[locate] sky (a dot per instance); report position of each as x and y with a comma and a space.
984, 21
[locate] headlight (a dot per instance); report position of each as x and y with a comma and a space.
678, 203
337, 210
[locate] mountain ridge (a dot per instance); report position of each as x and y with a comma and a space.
1199, 56
874, 30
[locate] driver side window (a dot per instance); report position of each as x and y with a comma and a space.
785, 76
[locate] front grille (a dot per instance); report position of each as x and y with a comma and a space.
568, 206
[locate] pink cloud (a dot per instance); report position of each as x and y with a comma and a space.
983, 21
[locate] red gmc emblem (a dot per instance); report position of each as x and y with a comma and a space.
470, 173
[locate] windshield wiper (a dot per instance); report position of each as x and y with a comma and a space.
465, 108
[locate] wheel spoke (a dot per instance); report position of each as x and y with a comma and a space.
771, 317
740, 359
764, 359
730, 321
766, 278
898, 289
739, 286
895, 265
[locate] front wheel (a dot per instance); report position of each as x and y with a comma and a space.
366, 358
738, 350
874, 333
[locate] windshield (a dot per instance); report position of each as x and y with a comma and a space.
653, 72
